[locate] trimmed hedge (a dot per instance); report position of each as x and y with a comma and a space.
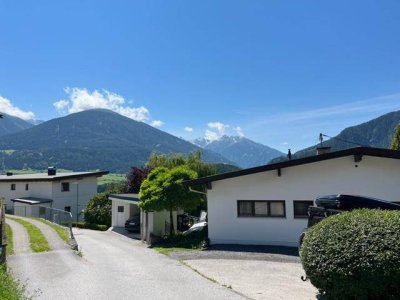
354, 255
90, 226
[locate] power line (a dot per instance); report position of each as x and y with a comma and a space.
321, 135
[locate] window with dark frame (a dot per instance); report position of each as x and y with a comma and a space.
261, 208
26, 187
13, 186
300, 208
67, 208
120, 209
64, 186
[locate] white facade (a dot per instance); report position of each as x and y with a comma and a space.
377, 177
125, 206
81, 189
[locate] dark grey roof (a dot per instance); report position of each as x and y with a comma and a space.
356, 152
45, 177
32, 200
134, 198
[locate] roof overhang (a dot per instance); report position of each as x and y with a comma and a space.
32, 200
357, 153
50, 178
128, 198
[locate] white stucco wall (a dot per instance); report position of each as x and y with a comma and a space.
36, 189
373, 176
115, 220
87, 189
52, 190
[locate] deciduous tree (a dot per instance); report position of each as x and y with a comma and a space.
163, 189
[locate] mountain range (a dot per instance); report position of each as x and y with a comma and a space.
92, 139
11, 124
102, 139
243, 152
374, 133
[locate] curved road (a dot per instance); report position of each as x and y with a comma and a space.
112, 267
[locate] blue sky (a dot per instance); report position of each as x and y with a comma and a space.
278, 72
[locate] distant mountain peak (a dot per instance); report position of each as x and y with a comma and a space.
239, 149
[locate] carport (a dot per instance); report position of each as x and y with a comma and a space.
123, 207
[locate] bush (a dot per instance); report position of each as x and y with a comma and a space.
355, 255
98, 210
90, 226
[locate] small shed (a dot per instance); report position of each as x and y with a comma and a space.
125, 206
31, 206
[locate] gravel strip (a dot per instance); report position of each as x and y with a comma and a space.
21, 238
242, 252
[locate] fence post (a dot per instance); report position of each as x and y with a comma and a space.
3, 235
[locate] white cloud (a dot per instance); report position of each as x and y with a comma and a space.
157, 123
211, 136
218, 130
61, 105
220, 127
80, 99
189, 129
7, 107
239, 131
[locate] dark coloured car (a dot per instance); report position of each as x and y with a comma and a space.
133, 224
334, 204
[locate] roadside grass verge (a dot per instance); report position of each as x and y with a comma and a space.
10, 240
9, 288
61, 231
37, 240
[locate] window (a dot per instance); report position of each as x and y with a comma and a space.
120, 209
261, 208
67, 208
65, 187
26, 187
300, 208
13, 186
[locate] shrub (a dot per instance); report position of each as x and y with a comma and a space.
355, 255
90, 226
98, 210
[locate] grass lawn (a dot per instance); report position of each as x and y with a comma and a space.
37, 240
9, 288
166, 250
61, 231
179, 243
10, 241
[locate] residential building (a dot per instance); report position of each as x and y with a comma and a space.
66, 191
268, 205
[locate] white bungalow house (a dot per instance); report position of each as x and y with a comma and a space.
125, 206
66, 191
267, 205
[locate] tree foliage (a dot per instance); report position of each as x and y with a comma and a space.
354, 255
98, 210
193, 161
164, 190
135, 177
396, 138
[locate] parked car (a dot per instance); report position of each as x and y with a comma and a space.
197, 230
334, 204
133, 224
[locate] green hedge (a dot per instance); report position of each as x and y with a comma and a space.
355, 255
90, 226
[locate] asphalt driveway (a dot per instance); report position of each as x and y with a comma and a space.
111, 267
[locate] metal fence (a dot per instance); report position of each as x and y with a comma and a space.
58, 216
3, 235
